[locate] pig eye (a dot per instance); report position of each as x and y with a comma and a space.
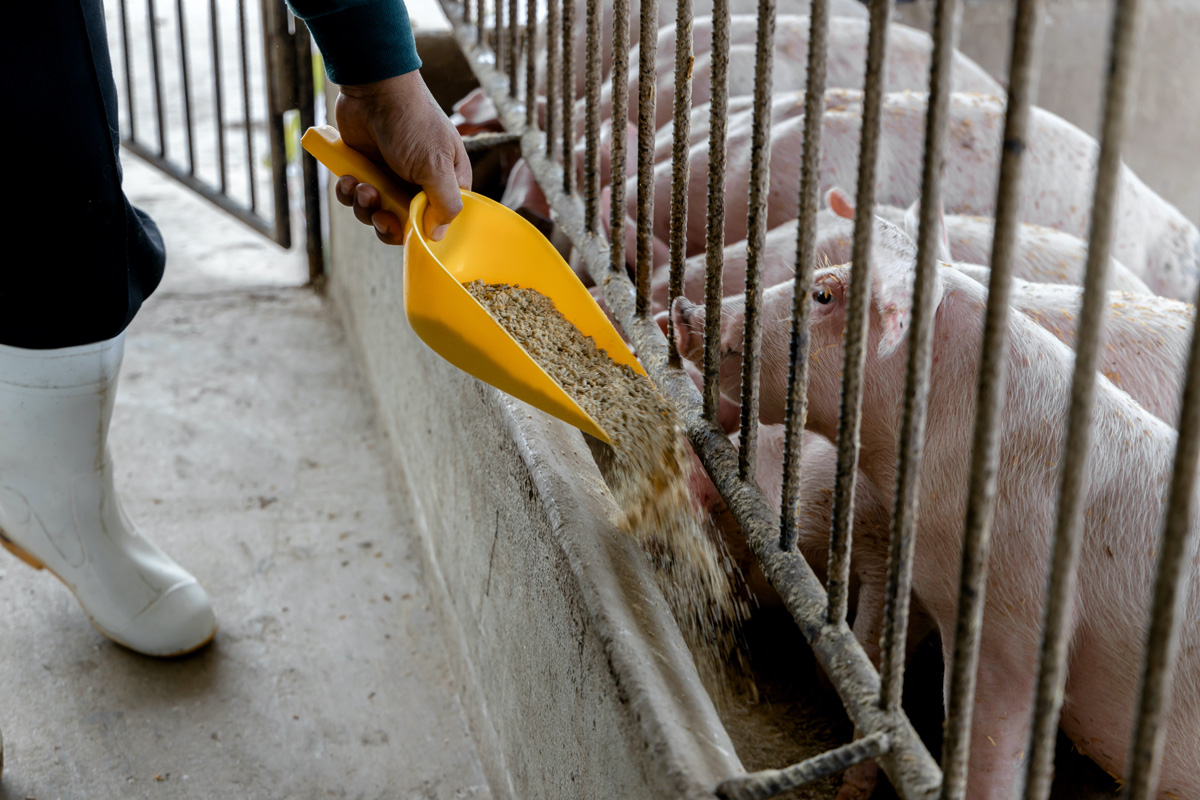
823, 296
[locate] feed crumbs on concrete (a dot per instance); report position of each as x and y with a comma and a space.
650, 475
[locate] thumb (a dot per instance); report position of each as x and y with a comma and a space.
445, 202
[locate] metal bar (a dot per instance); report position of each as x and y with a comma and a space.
908, 764
920, 337
306, 103
484, 142
218, 97
1162, 638
647, 88
513, 28
500, 41
552, 34
479, 23
993, 371
128, 70
620, 122
756, 231
214, 196
857, 319
245, 62
796, 410
156, 77
568, 94
680, 162
531, 94
1060, 588
187, 90
591, 156
281, 92
714, 225
770, 782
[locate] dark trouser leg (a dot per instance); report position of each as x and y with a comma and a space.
79, 258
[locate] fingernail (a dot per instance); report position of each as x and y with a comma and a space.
362, 196
379, 226
439, 232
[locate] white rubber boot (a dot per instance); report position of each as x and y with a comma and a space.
58, 509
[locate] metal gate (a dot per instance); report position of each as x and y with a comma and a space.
490, 33
215, 95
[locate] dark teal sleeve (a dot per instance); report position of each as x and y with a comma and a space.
362, 41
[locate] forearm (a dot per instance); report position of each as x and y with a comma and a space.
362, 41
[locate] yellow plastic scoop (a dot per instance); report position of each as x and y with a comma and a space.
485, 242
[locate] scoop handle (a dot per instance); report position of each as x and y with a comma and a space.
325, 144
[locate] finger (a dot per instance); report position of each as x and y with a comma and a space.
462, 167
366, 203
388, 227
344, 189
445, 201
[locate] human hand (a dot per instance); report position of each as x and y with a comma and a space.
398, 123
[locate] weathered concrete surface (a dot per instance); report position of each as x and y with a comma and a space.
246, 445
1161, 145
575, 680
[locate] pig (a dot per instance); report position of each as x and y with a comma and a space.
1130, 469
1152, 238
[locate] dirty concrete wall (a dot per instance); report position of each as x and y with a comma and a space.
1162, 142
572, 675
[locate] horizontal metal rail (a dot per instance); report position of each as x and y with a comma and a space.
906, 761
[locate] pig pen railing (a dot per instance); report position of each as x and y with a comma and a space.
495, 43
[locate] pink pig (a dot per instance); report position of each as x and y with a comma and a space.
1152, 238
1131, 463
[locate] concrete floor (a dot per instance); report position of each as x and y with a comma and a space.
247, 447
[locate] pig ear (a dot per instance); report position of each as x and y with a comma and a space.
839, 203
912, 224
893, 274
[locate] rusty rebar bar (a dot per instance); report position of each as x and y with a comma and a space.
531, 38
756, 232
985, 446
857, 319
619, 79
647, 87
513, 60
920, 337
770, 782
591, 156
714, 225
480, 25
501, 42
552, 34
568, 94
680, 162
796, 409
1060, 588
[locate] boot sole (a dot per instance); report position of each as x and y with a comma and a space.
34, 562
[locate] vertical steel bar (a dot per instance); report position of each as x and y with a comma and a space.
714, 230
756, 231
280, 68
480, 25
647, 86
218, 98
531, 38
680, 162
806, 252
513, 28
157, 79
128, 70
552, 32
1076, 456
620, 122
857, 318
466, 12
993, 370
591, 160
245, 53
187, 90
912, 430
306, 103
1162, 638
568, 94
